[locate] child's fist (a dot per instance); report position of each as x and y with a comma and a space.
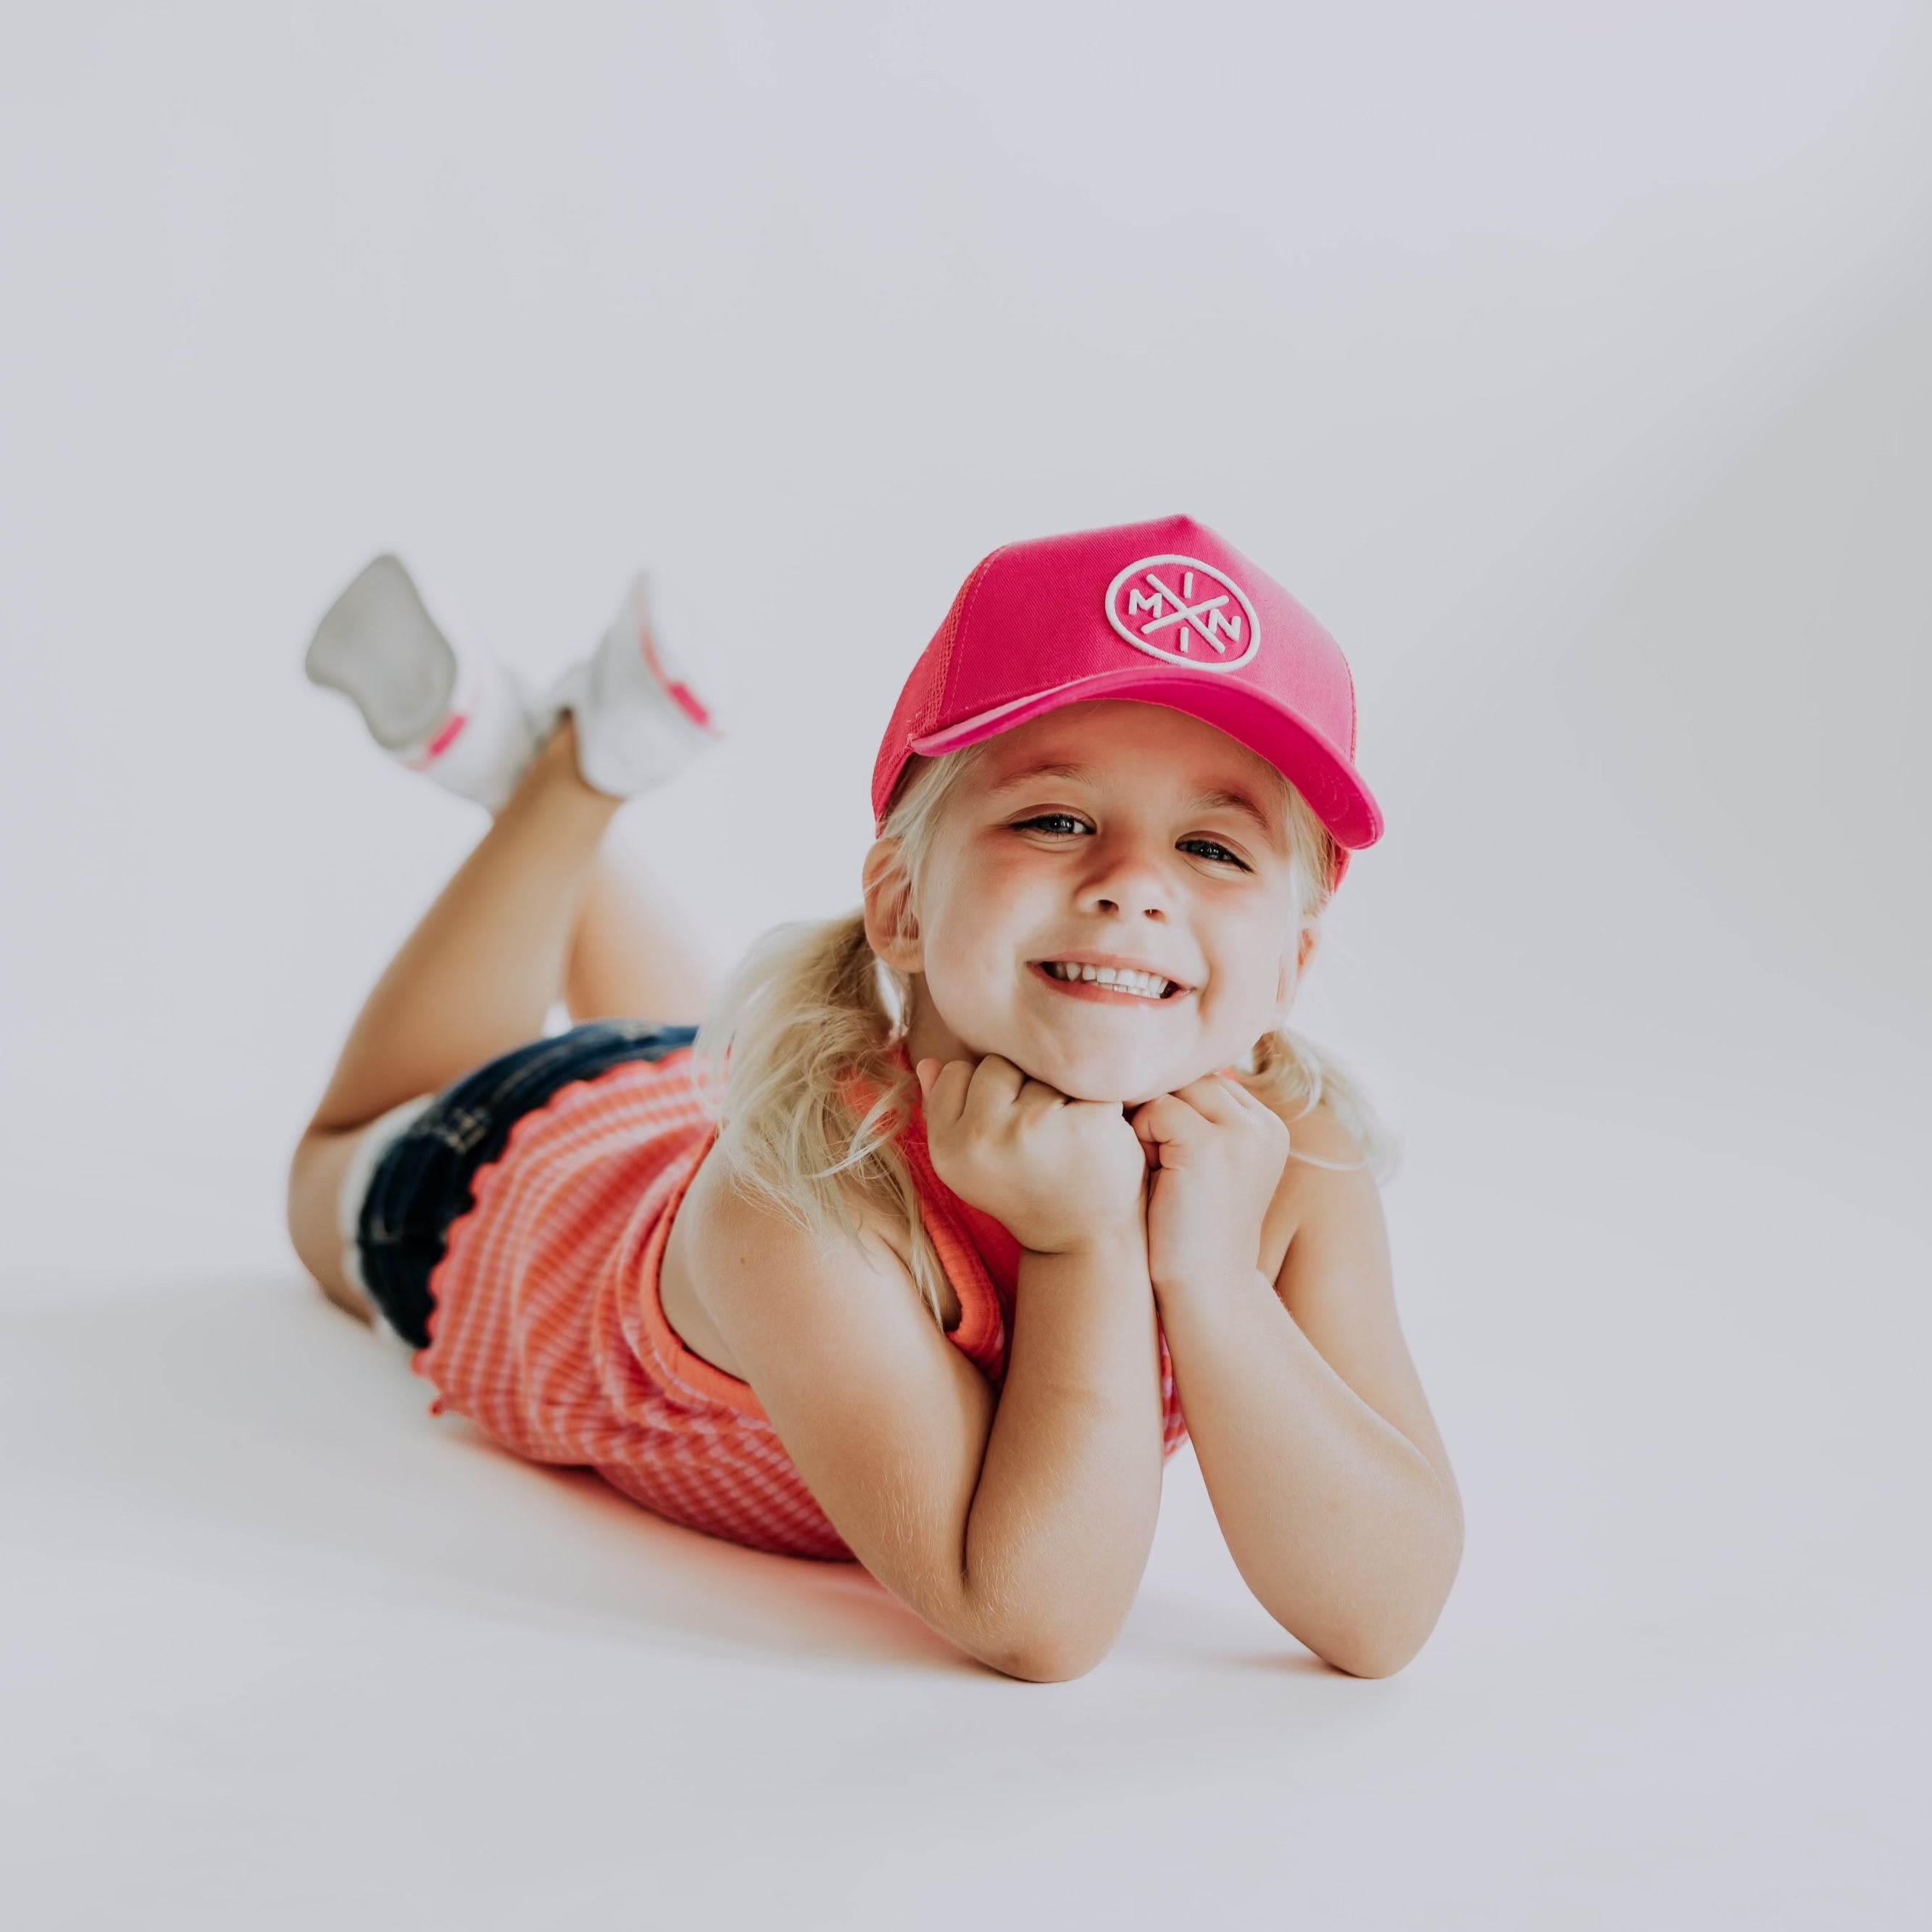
1218, 1155
1062, 1175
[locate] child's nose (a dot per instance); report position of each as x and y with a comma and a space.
1128, 883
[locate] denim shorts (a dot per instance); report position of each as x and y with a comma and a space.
420, 1185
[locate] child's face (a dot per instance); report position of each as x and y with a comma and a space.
1109, 834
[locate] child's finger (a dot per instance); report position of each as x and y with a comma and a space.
946, 1097
1242, 1092
1167, 1121
996, 1084
1215, 1099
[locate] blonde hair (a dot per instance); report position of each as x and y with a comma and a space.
801, 1051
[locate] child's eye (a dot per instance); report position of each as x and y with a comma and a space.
1061, 824
1210, 848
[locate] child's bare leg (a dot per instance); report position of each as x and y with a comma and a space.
629, 960
475, 979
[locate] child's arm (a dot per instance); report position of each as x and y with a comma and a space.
1327, 1475
1017, 1525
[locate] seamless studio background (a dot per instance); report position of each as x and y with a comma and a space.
1570, 364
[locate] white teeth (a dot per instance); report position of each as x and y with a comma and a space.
1122, 979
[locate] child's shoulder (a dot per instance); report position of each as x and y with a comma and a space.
1329, 1161
737, 1232
1321, 1132
1328, 1180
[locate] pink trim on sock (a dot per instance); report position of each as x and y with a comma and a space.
452, 730
687, 704
685, 699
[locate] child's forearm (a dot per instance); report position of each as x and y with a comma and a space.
1341, 1527
1063, 1514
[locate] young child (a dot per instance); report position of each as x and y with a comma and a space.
921, 1248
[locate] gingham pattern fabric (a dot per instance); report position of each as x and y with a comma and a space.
548, 1333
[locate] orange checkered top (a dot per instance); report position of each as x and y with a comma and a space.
548, 1333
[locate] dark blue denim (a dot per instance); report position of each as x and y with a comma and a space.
421, 1184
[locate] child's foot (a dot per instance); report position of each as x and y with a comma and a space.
638, 723
453, 713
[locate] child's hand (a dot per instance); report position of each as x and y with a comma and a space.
1062, 1175
1218, 1154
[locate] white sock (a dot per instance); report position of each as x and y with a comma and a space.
638, 722
439, 706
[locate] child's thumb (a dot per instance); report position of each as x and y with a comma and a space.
926, 1072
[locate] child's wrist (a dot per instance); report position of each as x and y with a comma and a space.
1209, 1282
1127, 1240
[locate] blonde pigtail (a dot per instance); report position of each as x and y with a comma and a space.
802, 1030
1295, 1076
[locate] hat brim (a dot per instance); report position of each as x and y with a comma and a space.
1316, 768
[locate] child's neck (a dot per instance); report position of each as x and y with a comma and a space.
927, 1036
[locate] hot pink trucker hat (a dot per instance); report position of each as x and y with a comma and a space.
1165, 612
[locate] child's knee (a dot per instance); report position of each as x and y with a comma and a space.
317, 1171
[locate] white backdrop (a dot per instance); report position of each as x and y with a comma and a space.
1570, 364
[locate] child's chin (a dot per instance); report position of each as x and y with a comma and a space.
1105, 1080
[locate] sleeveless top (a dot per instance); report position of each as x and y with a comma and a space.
548, 1333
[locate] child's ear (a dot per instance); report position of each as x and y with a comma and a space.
891, 928
1291, 977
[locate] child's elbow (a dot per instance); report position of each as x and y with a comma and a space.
1043, 1665
1381, 1643
1375, 1655
1046, 1654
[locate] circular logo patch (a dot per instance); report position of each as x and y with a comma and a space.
1185, 611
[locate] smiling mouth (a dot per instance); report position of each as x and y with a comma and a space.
1126, 980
